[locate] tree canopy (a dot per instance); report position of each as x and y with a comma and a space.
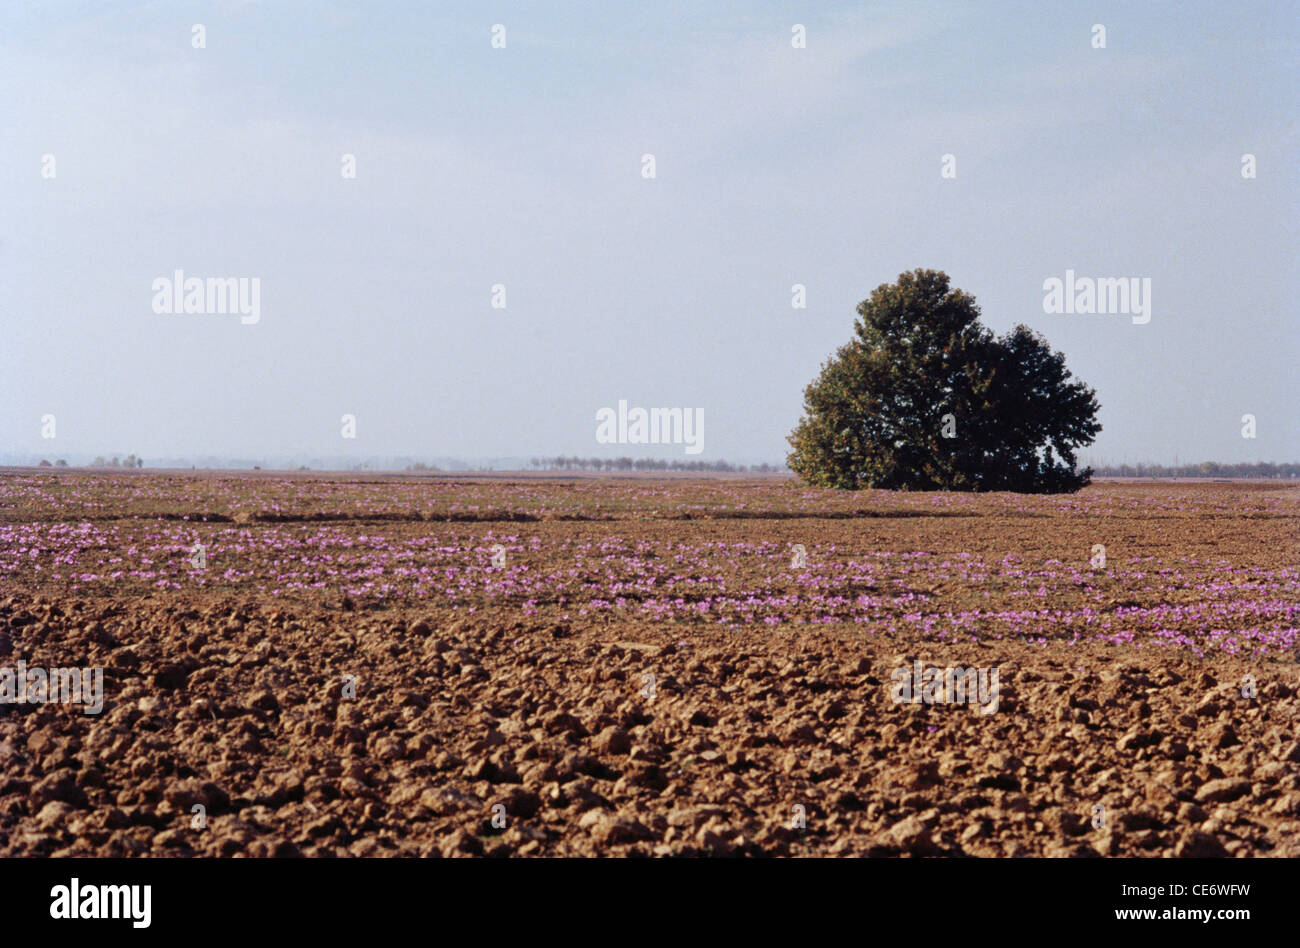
924, 397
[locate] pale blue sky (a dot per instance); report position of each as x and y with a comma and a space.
521, 166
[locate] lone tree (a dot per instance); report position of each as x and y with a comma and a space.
925, 398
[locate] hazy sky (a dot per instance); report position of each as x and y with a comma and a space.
523, 166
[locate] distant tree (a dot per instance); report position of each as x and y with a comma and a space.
60, 463
1266, 469
924, 397
45, 463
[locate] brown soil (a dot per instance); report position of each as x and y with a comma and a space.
569, 728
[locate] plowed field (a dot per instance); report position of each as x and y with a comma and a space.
339, 665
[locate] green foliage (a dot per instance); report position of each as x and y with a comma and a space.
876, 415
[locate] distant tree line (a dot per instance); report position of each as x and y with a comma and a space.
574, 463
1204, 469
131, 461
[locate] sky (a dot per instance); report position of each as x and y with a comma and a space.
523, 167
